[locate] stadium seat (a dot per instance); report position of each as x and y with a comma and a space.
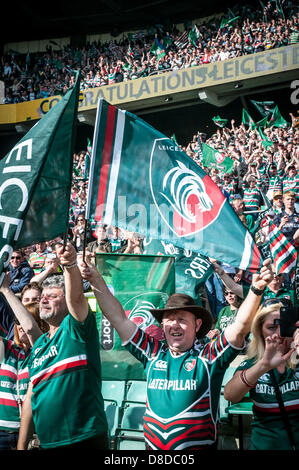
223, 403
112, 413
240, 409
132, 416
126, 440
113, 390
136, 391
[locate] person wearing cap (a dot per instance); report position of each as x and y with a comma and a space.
277, 202
184, 377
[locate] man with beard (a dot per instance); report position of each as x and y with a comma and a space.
64, 401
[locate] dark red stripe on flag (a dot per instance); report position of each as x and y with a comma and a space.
106, 162
256, 259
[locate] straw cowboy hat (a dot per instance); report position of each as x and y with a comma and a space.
185, 302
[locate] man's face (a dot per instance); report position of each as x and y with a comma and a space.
52, 305
277, 201
40, 247
101, 233
16, 259
276, 282
238, 205
289, 202
180, 328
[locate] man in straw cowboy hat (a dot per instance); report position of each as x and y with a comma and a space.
184, 377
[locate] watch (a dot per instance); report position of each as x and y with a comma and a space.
257, 291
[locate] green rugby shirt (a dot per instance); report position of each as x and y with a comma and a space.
182, 391
14, 381
268, 430
65, 372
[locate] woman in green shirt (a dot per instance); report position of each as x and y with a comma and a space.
227, 314
271, 359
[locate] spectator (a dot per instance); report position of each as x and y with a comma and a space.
79, 233
20, 271
72, 340
31, 293
118, 244
37, 258
14, 360
277, 203
102, 243
239, 207
182, 322
270, 360
288, 220
227, 314
51, 266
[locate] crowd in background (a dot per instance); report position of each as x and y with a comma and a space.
246, 29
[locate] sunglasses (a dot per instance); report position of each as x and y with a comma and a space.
229, 293
15, 257
283, 301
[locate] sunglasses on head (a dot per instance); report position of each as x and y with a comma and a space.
283, 301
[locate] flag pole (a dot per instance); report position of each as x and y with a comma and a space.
77, 75
84, 239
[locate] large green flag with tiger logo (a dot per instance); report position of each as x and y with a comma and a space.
141, 181
140, 283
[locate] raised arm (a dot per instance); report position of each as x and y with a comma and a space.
74, 294
228, 281
27, 426
25, 319
274, 356
108, 304
238, 330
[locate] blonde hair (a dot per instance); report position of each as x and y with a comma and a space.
32, 308
256, 347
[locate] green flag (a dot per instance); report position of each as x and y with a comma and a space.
228, 22
35, 179
173, 137
194, 35
276, 119
167, 196
157, 50
191, 269
265, 141
247, 119
219, 121
263, 122
264, 107
140, 283
216, 159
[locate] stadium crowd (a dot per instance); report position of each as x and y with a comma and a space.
245, 30
262, 186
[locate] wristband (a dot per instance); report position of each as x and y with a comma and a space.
257, 291
243, 379
70, 266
